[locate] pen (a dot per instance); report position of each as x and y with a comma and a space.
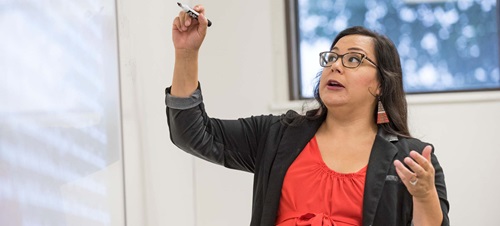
191, 12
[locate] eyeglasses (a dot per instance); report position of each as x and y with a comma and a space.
349, 60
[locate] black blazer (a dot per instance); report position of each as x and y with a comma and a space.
267, 146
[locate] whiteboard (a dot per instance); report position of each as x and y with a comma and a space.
60, 125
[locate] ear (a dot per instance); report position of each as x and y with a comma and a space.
378, 91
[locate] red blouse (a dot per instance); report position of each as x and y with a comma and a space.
313, 194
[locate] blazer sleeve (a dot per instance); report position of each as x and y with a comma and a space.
441, 188
232, 143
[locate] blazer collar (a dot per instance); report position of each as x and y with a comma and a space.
294, 139
381, 158
387, 136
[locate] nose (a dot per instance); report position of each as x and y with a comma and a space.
337, 65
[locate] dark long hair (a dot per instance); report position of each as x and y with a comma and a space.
390, 77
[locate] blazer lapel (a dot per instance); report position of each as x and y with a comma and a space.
295, 138
381, 159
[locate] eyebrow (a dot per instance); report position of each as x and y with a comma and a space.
352, 48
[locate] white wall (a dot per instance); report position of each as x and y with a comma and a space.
158, 177
465, 130
243, 72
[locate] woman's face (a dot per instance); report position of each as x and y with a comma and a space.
340, 86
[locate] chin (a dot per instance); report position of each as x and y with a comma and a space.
329, 98
334, 102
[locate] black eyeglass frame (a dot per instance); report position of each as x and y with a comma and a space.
341, 56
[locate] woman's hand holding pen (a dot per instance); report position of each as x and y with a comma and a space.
188, 33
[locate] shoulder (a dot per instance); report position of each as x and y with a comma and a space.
294, 119
411, 144
290, 117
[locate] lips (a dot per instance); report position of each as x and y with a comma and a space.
334, 84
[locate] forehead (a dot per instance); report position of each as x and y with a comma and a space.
355, 43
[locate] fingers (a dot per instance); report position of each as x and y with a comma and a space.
177, 24
203, 24
418, 164
200, 9
202, 20
426, 155
404, 173
417, 173
183, 21
186, 19
427, 152
414, 166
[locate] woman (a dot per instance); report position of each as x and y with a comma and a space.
346, 163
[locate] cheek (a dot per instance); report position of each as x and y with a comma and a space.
322, 78
368, 80
366, 83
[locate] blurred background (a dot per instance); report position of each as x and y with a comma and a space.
60, 127
444, 46
83, 134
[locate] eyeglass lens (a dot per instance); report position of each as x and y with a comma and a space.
350, 60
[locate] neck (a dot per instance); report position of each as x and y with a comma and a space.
345, 124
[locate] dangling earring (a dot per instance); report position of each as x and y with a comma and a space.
381, 115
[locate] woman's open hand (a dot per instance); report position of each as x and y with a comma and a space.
419, 178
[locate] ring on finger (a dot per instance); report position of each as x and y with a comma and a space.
414, 180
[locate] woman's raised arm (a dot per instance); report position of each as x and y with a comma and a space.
187, 35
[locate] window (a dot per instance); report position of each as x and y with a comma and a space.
444, 46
